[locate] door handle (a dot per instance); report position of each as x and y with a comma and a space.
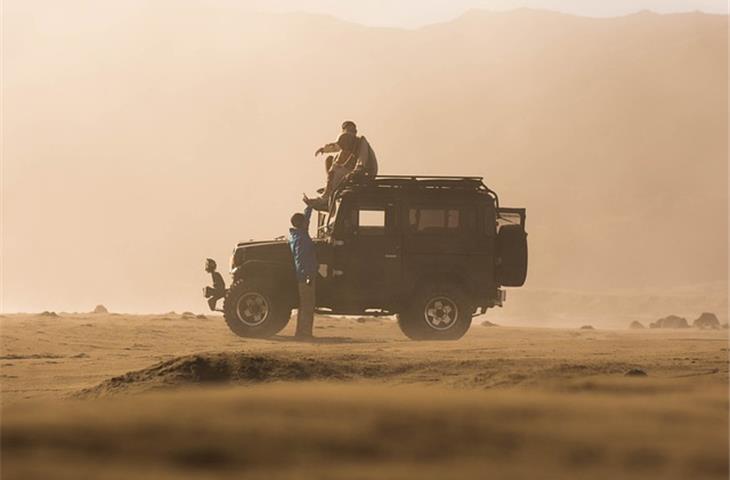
391, 255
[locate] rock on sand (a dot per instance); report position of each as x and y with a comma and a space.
100, 309
672, 321
636, 325
707, 320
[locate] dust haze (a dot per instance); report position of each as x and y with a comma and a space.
141, 137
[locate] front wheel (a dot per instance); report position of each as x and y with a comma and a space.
254, 310
437, 312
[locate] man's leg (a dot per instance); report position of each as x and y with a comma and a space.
213, 300
305, 314
328, 174
336, 176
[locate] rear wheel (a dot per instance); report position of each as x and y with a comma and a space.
254, 310
437, 312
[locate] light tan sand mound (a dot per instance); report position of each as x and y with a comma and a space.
220, 368
253, 368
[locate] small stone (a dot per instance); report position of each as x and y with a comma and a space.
587, 327
635, 372
100, 309
636, 325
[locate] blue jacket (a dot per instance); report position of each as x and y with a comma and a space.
302, 249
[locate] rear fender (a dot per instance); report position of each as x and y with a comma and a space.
454, 278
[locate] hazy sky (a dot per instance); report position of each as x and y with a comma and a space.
140, 137
414, 13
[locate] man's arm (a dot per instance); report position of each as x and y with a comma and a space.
307, 216
329, 148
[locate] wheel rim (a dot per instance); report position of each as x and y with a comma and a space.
252, 309
441, 313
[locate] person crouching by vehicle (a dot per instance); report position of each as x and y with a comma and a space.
305, 264
355, 157
218, 290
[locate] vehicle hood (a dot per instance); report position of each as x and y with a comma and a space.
271, 250
277, 251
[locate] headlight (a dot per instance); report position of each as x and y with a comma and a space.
233, 260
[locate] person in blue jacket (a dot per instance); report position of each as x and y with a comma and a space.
305, 264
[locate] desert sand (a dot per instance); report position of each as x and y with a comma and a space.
175, 396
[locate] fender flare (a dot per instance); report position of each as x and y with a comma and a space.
274, 273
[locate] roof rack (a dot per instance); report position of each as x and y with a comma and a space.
427, 177
426, 181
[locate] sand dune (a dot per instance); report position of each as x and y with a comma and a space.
102, 355
173, 396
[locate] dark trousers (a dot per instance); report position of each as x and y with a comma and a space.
305, 313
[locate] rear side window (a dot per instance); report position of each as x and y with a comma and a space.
434, 220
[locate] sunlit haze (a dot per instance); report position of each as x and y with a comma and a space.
415, 13
141, 137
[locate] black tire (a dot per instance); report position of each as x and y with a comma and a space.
254, 310
437, 312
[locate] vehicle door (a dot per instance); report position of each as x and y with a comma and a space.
366, 272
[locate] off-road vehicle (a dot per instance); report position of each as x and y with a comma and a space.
434, 251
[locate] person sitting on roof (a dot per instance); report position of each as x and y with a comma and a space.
354, 158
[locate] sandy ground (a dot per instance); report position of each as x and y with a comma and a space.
119, 396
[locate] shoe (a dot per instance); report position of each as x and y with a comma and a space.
320, 204
320, 190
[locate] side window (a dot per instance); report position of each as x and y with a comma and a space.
433, 220
369, 221
445, 220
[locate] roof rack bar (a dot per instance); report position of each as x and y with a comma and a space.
429, 177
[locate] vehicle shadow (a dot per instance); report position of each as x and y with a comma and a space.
319, 340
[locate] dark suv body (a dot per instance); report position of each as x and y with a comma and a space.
435, 251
